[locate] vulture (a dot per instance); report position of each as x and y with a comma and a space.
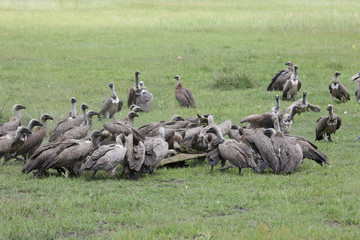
68, 123
354, 79
338, 90
237, 153
303, 105
32, 123
310, 151
265, 120
43, 155
143, 98
327, 125
117, 127
276, 109
106, 157
9, 145
35, 139
78, 132
14, 123
183, 95
135, 157
133, 90
135, 108
111, 106
289, 154
73, 155
292, 86
130, 119
156, 148
278, 81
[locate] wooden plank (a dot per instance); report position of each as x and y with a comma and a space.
180, 157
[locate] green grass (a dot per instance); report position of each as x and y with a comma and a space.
54, 50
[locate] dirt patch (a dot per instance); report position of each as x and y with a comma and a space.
333, 223
242, 209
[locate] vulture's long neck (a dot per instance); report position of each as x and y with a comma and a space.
178, 84
73, 110
331, 114
18, 115
113, 93
219, 135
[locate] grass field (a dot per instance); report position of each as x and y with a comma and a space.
51, 51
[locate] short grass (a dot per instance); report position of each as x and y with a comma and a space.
54, 50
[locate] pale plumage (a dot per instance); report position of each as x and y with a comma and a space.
327, 125
292, 86
14, 123
111, 106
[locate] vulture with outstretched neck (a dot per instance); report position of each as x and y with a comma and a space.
133, 90
111, 106
292, 86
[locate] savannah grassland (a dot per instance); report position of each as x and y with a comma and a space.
51, 51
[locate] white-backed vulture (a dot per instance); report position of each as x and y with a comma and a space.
279, 79
129, 120
111, 106
338, 90
290, 154
32, 123
74, 155
303, 105
292, 86
354, 79
78, 132
276, 109
156, 148
67, 123
116, 128
9, 145
135, 157
237, 153
183, 95
327, 125
107, 158
35, 139
143, 98
14, 123
133, 90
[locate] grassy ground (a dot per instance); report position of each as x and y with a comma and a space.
54, 50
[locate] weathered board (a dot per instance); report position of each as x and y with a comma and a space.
180, 158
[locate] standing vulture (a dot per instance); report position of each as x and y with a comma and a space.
303, 105
35, 139
133, 90
144, 98
14, 123
72, 156
135, 157
183, 95
338, 90
106, 157
237, 153
327, 125
292, 86
156, 148
290, 154
111, 106
354, 79
67, 123
9, 145
279, 79
78, 132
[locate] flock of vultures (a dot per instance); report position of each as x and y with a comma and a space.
265, 141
